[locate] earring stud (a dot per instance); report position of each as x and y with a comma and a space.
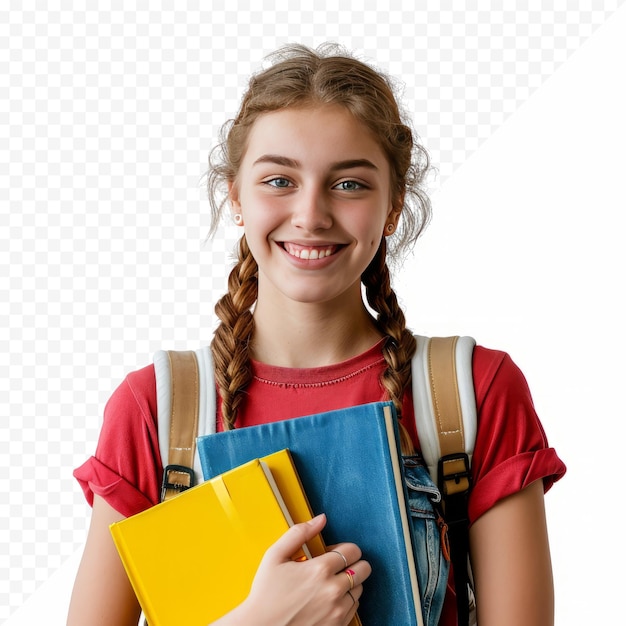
390, 228
238, 219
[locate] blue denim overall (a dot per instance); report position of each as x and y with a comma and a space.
429, 530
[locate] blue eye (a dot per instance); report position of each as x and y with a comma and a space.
280, 183
349, 185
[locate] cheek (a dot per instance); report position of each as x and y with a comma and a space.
259, 206
259, 221
378, 231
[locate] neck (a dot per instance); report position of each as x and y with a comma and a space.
311, 335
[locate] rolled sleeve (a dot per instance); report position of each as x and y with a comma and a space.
512, 449
126, 468
514, 475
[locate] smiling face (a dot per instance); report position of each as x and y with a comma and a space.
314, 193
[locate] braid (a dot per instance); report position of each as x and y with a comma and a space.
231, 342
400, 346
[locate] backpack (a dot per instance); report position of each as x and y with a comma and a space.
446, 421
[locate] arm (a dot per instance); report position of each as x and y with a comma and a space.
284, 592
511, 562
102, 593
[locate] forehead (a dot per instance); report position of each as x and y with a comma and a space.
325, 133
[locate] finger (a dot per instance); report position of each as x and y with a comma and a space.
355, 575
353, 605
342, 555
351, 576
356, 593
363, 570
352, 608
283, 549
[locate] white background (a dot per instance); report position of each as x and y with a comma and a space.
105, 132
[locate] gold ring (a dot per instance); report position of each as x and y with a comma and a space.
350, 573
352, 598
342, 556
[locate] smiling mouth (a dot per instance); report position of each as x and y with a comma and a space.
310, 252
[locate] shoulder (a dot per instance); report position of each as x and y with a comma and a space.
129, 427
495, 372
503, 399
136, 395
130, 417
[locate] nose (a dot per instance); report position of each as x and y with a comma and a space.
311, 211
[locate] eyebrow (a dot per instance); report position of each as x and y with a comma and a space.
340, 165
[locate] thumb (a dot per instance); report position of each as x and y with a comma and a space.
283, 549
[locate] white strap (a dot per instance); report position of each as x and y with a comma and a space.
422, 400
425, 420
207, 401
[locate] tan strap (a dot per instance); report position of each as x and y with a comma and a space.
447, 410
183, 422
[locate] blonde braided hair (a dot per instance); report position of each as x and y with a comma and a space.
400, 345
300, 77
231, 342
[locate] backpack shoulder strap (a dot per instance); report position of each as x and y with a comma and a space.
443, 398
186, 408
446, 419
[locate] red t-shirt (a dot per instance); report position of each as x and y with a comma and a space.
511, 448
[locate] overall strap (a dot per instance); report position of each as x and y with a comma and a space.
185, 406
445, 415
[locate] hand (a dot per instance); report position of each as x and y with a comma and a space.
307, 593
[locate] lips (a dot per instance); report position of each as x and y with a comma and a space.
310, 252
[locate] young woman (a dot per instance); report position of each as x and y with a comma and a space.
323, 175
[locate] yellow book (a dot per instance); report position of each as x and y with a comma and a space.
288, 482
193, 558
286, 476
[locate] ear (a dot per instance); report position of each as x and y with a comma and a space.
396, 204
391, 223
235, 205
233, 197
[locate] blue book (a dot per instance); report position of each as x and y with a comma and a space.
349, 463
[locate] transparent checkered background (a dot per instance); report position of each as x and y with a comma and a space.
107, 116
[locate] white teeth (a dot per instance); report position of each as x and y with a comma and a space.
308, 253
